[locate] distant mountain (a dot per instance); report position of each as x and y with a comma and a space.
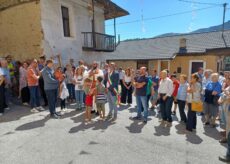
209, 29
214, 28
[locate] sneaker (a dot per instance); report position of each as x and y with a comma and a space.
206, 123
34, 110
25, 104
145, 121
7, 108
136, 118
1, 114
57, 114
54, 116
224, 158
40, 108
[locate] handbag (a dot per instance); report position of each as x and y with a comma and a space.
197, 106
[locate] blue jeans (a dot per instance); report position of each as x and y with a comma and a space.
34, 96
52, 100
142, 102
71, 89
112, 104
79, 97
165, 107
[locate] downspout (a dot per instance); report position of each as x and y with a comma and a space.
222, 35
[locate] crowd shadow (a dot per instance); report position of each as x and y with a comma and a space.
181, 128
212, 132
193, 138
33, 125
160, 130
136, 126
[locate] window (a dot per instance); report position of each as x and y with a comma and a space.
66, 21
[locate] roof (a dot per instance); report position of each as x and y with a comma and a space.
112, 10
168, 47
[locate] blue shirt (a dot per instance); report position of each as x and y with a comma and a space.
141, 91
6, 74
211, 86
182, 92
155, 79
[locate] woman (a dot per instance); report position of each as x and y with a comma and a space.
211, 96
194, 95
79, 91
69, 81
23, 86
182, 96
126, 95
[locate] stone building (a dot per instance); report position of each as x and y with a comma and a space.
181, 53
73, 28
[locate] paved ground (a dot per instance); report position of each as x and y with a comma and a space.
27, 138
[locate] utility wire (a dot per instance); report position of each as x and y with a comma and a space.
163, 16
201, 3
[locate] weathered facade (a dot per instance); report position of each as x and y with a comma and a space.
180, 54
30, 28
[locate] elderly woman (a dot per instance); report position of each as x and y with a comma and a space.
211, 96
23, 85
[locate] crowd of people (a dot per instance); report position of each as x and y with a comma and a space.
205, 93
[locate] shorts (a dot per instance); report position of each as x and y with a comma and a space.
89, 100
100, 107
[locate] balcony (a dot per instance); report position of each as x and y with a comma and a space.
98, 42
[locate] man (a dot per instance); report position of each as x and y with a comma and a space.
41, 65
140, 83
94, 73
165, 92
154, 94
121, 77
111, 80
33, 75
51, 88
200, 74
2, 92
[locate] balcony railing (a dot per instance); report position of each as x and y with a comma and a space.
98, 42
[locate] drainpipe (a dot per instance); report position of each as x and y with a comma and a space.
224, 5
93, 26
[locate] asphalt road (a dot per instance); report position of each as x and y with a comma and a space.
27, 138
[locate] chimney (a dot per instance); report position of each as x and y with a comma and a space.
183, 47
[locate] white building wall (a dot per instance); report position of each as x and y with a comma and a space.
70, 48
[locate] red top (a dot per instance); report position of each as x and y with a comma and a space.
176, 85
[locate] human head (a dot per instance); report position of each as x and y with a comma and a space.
81, 62
183, 78
87, 81
99, 79
214, 77
34, 63
4, 63
163, 74
143, 71
195, 78
9, 58
207, 73
128, 72
173, 77
112, 66
154, 72
25, 65
200, 70
79, 71
49, 63
95, 65
42, 59
106, 66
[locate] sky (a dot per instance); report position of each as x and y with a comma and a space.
142, 10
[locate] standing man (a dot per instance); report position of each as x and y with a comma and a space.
165, 92
51, 88
112, 80
154, 94
140, 83
200, 74
41, 65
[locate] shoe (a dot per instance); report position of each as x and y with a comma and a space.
145, 121
54, 116
25, 104
224, 158
97, 114
93, 111
136, 118
7, 108
40, 108
223, 140
173, 113
108, 117
206, 123
168, 124
57, 114
1, 114
34, 110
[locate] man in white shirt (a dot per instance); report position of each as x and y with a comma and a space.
165, 92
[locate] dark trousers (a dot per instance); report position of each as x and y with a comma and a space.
165, 107
34, 96
2, 99
52, 100
126, 95
191, 122
43, 93
228, 148
25, 95
71, 89
181, 105
62, 104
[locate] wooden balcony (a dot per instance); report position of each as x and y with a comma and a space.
98, 42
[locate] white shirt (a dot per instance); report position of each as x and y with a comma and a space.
127, 79
121, 75
79, 79
166, 87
